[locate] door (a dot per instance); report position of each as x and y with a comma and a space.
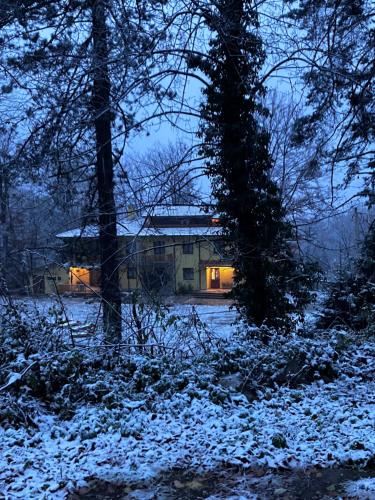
215, 277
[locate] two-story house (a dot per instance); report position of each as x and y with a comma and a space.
172, 249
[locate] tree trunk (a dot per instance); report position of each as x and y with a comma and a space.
108, 243
4, 205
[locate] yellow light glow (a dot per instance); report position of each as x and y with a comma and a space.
79, 276
219, 277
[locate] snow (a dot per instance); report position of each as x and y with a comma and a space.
218, 318
323, 425
137, 226
134, 229
362, 488
317, 425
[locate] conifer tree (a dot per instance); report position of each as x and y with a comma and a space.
351, 299
239, 166
337, 43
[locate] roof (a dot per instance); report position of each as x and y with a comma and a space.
135, 228
177, 211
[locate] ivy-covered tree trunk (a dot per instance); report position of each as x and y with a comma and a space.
240, 166
110, 289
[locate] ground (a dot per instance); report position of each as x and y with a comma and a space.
312, 441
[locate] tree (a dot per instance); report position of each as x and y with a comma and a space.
336, 39
69, 68
240, 166
351, 301
162, 176
74, 96
108, 243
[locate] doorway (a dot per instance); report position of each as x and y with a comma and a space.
79, 276
215, 277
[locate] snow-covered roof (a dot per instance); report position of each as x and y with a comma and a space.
136, 228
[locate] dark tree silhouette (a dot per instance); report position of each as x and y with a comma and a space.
240, 165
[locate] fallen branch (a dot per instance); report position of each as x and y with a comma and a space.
16, 377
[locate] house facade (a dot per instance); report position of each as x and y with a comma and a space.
175, 249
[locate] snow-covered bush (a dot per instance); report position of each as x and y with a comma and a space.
351, 301
293, 360
40, 364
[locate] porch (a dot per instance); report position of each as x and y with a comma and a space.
219, 278
82, 281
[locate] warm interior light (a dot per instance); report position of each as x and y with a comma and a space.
219, 277
79, 276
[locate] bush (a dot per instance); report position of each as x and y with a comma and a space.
351, 301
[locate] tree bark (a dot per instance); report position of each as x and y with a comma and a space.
4, 206
108, 243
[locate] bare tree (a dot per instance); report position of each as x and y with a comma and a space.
165, 175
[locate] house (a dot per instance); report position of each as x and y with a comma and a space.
172, 249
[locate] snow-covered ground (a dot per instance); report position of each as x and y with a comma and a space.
320, 425
217, 317
324, 425
362, 488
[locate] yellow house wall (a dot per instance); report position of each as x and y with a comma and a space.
202, 251
55, 272
125, 282
186, 261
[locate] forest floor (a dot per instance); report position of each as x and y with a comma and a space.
314, 441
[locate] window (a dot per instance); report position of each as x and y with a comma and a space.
187, 248
188, 273
159, 248
219, 246
132, 273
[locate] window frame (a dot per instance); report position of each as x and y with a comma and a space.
189, 245
184, 270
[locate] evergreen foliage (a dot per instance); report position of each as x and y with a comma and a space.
351, 301
338, 38
239, 165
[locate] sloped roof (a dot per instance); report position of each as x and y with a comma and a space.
137, 227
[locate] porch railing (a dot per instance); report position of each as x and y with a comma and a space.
80, 288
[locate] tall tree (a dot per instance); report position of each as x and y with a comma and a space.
240, 166
337, 42
80, 69
108, 243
